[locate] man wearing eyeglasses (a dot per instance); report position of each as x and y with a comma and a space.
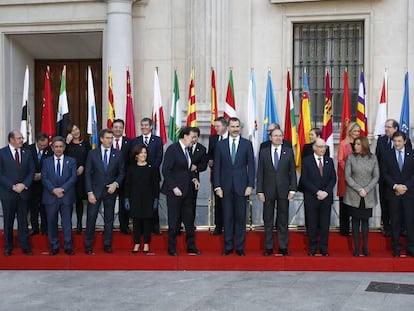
268, 143
17, 171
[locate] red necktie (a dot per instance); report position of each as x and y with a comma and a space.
320, 166
117, 144
17, 157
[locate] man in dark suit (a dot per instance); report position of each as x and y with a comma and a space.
234, 175
220, 125
199, 161
121, 143
59, 178
318, 180
276, 181
155, 153
178, 187
268, 143
397, 167
385, 144
39, 150
104, 172
16, 175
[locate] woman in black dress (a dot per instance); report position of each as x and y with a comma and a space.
142, 188
78, 148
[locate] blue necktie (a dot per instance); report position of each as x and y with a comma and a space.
400, 160
58, 168
105, 159
39, 155
275, 159
233, 151
187, 156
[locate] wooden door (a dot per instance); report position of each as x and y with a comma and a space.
76, 89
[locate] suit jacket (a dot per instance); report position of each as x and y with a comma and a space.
96, 178
268, 143
238, 176
312, 180
36, 186
199, 158
125, 149
155, 149
176, 171
276, 184
10, 174
392, 175
66, 181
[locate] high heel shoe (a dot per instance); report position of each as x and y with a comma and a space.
136, 249
146, 248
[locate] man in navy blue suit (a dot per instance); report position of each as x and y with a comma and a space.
16, 175
122, 143
59, 178
155, 153
178, 185
397, 172
104, 172
234, 174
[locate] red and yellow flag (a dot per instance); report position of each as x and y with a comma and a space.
111, 105
191, 113
214, 110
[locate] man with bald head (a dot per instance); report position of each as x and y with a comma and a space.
17, 171
318, 179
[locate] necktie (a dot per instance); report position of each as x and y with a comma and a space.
146, 141
17, 157
275, 159
233, 151
58, 167
320, 166
187, 156
400, 160
39, 155
117, 144
105, 159
390, 143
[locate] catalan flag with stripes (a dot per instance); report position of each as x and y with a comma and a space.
214, 108
111, 105
191, 112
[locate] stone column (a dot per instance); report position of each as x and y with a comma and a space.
118, 53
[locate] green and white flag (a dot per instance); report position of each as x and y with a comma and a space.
175, 116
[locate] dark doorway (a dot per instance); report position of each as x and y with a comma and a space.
76, 89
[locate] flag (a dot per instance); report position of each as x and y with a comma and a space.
48, 122
191, 112
175, 116
158, 112
129, 114
270, 115
62, 119
251, 114
92, 118
327, 131
291, 133
230, 107
304, 122
214, 108
111, 104
382, 109
405, 109
346, 108
25, 124
361, 118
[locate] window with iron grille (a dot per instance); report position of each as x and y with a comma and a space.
332, 46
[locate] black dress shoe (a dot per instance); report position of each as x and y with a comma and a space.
356, 253
240, 252
172, 253
157, 232
126, 231
268, 252
227, 252
28, 252
54, 251
217, 232
7, 252
312, 252
284, 252
396, 254
193, 251
325, 253
108, 249
78, 231
411, 254
89, 251
69, 252
365, 252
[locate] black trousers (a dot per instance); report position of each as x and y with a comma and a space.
38, 209
234, 216
319, 217
385, 212
142, 226
343, 217
282, 216
218, 212
123, 214
402, 207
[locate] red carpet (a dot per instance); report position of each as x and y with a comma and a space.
340, 258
